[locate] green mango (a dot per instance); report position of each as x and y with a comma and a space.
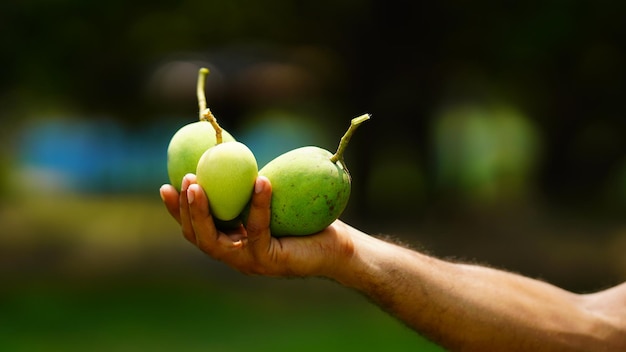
310, 187
187, 146
227, 173
309, 191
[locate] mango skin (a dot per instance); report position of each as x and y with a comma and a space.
309, 191
226, 173
187, 146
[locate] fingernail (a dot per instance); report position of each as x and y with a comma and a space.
161, 193
184, 185
258, 185
190, 195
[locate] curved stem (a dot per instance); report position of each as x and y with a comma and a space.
208, 116
354, 123
200, 91
205, 113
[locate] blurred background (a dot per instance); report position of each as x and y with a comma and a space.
497, 136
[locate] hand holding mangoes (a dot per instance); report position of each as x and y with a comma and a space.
311, 186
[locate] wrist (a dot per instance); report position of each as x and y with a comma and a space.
365, 258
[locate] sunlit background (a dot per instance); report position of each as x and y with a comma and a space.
497, 136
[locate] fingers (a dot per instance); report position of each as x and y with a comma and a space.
207, 237
183, 206
199, 228
201, 220
259, 217
169, 195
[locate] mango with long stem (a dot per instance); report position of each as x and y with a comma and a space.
192, 140
310, 187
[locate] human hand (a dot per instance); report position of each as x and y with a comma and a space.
250, 248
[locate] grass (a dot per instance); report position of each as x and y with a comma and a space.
137, 315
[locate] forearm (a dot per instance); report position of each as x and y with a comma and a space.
468, 307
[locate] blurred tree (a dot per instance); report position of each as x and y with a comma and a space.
560, 61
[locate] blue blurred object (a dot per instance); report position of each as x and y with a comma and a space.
92, 156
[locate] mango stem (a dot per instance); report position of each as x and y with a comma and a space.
343, 143
200, 91
208, 116
205, 113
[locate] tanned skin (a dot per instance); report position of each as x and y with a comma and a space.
461, 307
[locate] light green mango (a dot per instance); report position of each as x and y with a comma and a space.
226, 173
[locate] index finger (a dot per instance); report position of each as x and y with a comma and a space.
170, 198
